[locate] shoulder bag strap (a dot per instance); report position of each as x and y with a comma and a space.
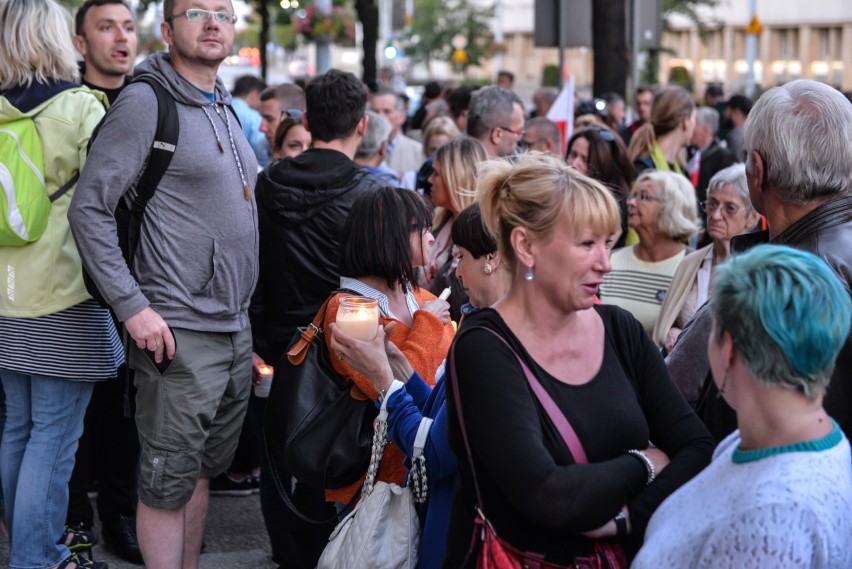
297, 353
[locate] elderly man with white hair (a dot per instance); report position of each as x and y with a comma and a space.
371, 153
798, 156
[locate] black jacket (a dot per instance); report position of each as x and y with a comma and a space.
827, 233
714, 158
302, 206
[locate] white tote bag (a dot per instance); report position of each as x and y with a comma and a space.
382, 531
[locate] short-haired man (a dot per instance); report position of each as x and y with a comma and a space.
371, 152
404, 154
274, 102
505, 79
303, 203
496, 119
642, 101
709, 156
543, 135
797, 167
458, 100
543, 98
737, 109
246, 103
105, 35
184, 304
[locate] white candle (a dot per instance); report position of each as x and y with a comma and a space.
359, 323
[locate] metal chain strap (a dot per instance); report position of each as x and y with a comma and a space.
380, 437
419, 481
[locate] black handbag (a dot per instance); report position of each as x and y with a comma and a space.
314, 428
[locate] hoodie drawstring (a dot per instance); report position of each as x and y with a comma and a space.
246, 188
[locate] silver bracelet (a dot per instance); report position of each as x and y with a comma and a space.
649, 465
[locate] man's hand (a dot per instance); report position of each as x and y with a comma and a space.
150, 332
438, 307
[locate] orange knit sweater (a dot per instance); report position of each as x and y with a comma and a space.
425, 344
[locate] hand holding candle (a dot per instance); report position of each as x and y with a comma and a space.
265, 384
358, 316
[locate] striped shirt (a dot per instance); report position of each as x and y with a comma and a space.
370, 292
78, 343
639, 286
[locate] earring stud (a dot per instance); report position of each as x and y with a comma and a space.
488, 268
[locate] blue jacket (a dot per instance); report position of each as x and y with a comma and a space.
406, 407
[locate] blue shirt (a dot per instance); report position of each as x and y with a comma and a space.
251, 119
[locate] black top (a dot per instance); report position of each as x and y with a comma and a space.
533, 493
302, 206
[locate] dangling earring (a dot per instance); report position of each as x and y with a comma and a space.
488, 268
529, 275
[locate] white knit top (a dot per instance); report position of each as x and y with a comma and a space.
785, 507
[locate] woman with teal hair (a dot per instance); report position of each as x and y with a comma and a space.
779, 490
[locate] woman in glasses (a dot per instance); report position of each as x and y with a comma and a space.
729, 213
662, 210
599, 153
660, 144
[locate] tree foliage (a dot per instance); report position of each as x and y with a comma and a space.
437, 22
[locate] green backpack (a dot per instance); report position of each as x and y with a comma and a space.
24, 201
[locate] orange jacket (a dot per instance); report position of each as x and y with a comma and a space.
425, 345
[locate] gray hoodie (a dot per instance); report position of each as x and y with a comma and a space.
196, 263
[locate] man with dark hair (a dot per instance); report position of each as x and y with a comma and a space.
274, 101
713, 95
458, 100
496, 119
246, 103
736, 112
403, 154
505, 79
184, 303
432, 91
303, 203
105, 35
642, 100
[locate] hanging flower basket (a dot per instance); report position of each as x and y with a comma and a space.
334, 26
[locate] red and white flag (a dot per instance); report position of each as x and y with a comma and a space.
562, 111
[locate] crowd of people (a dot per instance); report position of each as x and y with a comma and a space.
573, 323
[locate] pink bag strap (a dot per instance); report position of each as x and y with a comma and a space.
556, 416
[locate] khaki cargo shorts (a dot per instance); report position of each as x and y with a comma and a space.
189, 417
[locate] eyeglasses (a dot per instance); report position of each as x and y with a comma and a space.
198, 15
519, 133
294, 114
642, 197
728, 209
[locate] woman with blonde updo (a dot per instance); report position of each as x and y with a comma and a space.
555, 228
660, 143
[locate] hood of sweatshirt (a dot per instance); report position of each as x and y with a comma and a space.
296, 189
160, 66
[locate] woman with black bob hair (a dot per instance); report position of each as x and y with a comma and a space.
486, 279
386, 235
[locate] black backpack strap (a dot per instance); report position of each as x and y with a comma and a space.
64, 189
162, 150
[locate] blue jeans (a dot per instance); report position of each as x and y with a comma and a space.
44, 421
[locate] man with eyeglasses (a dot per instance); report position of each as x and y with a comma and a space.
542, 135
184, 303
496, 119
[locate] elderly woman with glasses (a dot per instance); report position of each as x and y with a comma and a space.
729, 213
662, 210
779, 490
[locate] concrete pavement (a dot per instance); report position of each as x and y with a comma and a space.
235, 538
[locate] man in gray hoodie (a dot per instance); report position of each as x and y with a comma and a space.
184, 304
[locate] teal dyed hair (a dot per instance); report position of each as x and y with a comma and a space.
788, 315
